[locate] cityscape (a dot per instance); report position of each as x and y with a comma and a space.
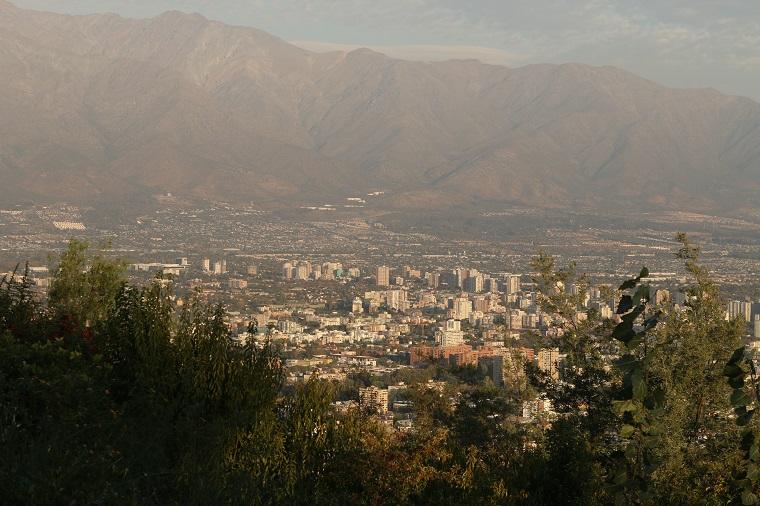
350, 252
347, 298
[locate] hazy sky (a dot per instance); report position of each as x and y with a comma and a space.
685, 43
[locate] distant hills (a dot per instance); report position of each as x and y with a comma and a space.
104, 109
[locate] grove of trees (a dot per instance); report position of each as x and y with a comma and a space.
110, 394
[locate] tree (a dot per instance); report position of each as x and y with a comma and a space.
83, 292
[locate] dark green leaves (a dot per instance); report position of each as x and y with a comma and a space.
641, 410
625, 406
743, 398
627, 431
625, 304
626, 362
630, 283
739, 398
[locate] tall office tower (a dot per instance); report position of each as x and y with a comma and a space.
739, 309
490, 285
512, 283
303, 270
462, 274
206, 264
383, 276
433, 279
747, 311
755, 309
396, 299
482, 303
474, 284
287, 270
462, 308
328, 271
756, 326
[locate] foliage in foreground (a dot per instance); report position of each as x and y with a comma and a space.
108, 395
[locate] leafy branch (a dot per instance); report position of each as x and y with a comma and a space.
641, 406
745, 395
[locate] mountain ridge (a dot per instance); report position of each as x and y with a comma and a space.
179, 103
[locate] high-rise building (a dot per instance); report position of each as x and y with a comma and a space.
482, 303
512, 283
357, 306
461, 274
374, 398
738, 309
207, 264
450, 334
756, 327
461, 308
433, 279
302, 271
328, 271
396, 299
218, 269
409, 272
287, 270
755, 309
548, 361
383, 276
474, 283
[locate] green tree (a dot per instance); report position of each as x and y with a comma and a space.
83, 291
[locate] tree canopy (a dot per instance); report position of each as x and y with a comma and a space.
110, 394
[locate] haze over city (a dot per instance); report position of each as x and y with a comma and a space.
391, 252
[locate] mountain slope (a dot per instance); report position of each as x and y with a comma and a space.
103, 108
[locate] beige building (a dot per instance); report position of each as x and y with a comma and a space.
375, 398
548, 361
383, 276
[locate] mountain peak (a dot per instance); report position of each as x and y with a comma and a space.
204, 110
175, 15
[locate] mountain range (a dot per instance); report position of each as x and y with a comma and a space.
105, 109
